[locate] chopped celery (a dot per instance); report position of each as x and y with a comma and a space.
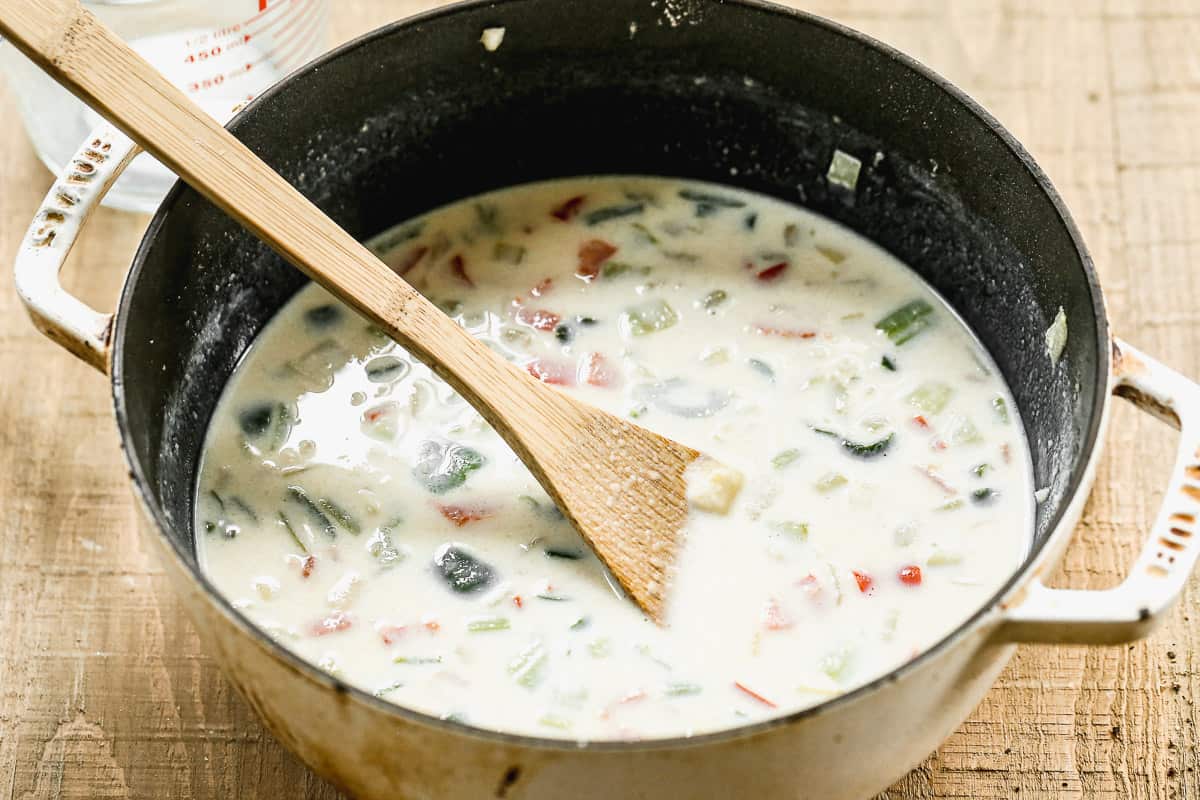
965, 432
600, 648
649, 317
906, 321
417, 660
526, 669
797, 529
762, 368
580, 623
553, 721
950, 505
835, 662
941, 558
831, 481
834, 256
483, 624
681, 689
981, 469
931, 397
508, 253
1001, 408
785, 458
713, 299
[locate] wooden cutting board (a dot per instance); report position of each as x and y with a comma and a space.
105, 693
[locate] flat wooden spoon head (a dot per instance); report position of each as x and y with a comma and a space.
621, 486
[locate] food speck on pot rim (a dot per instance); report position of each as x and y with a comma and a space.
363, 515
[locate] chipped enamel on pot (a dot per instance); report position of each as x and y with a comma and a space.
850, 747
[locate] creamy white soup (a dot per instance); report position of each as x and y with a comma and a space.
363, 515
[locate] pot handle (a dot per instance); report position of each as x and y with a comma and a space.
70, 201
1135, 607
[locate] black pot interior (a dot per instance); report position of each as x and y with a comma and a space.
419, 114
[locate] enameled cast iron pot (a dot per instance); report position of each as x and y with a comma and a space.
417, 114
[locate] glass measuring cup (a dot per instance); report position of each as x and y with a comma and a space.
220, 52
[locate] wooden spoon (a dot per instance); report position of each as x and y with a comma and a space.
621, 486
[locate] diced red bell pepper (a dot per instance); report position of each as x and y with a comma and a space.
592, 254
337, 621
865, 582
910, 575
543, 286
774, 618
568, 208
784, 333
538, 318
306, 568
772, 272
459, 267
595, 370
552, 372
462, 515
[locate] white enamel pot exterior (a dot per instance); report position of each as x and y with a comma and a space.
850, 747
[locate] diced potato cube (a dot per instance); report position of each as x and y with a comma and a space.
712, 486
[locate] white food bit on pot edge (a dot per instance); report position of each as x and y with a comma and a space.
1041, 494
843, 170
1056, 336
712, 486
492, 39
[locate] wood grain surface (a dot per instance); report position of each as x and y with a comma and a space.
104, 692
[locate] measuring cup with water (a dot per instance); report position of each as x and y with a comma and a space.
220, 52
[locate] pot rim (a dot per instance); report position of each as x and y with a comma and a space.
1080, 481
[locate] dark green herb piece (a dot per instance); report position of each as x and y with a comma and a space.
287, 525
257, 421
644, 231
868, 450
314, 511
824, 431
613, 212
681, 689
750, 221
906, 321
557, 598
564, 333
339, 515
244, 508
462, 571
580, 623
715, 200
762, 368
981, 469
220, 501
562, 552
589, 321
385, 369
391, 687
441, 467
320, 318
983, 496
681, 255
488, 216
612, 269
888, 364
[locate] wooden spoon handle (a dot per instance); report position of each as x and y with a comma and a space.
83, 55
